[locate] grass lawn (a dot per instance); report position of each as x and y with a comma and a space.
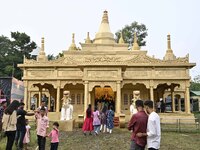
118, 140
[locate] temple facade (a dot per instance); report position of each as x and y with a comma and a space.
103, 69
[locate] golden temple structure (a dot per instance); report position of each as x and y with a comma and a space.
103, 63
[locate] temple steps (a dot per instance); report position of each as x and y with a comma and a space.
116, 121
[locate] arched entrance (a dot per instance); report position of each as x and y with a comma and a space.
104, 97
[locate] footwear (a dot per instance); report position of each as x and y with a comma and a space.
84, 133
96, 132
90, 133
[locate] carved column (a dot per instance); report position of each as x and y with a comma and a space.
40, 96
118, 101
151, 93
29, 100
86, 92
172, 98
58, 99
89, 98
187, 100
25, 94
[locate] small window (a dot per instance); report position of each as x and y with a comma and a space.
78, 98
73, 99
125, 99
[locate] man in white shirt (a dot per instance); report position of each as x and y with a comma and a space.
153, 133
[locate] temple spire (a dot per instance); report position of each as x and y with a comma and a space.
42, 55
169, 53
104, 35
168, 42
73, 45
135, 43
121, 40
87, 41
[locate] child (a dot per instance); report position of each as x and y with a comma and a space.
54, 134
96, 121
27, 135
42, 126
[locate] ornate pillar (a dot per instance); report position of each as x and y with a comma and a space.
25, 94
187, 100
172, 98
118, 101
89, 98
151, 93
29, 100
86, 93
40, 96
58, 99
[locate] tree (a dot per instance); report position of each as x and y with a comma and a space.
128, 33
12, 53
195, 84
22, 43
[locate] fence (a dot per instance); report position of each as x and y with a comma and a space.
180, 125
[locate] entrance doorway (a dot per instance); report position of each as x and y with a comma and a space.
104, 97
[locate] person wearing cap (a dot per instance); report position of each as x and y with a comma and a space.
21, 125
138, 123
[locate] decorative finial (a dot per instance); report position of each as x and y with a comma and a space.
42, 55
168, 42
121, 40
169, 53
88, 38
73, 45
135, 44
42, 44
105, 17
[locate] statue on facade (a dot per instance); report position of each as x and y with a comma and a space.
67, 107
136, 96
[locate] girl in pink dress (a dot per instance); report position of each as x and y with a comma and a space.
54, 135
27, 135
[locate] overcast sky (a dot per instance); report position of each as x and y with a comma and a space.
56, 20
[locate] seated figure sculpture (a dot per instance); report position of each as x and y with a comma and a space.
67, 107
136, 96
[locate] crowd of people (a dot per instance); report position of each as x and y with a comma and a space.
17, 129
98, 120
144, 125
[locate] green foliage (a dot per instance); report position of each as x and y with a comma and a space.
12, 52
52, 57
128, 33
195, 84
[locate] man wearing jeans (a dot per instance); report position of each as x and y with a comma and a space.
21, 126
138, 123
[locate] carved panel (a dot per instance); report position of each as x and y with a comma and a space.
101, 74
137, 74
70, 73
40, 73
170, 73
